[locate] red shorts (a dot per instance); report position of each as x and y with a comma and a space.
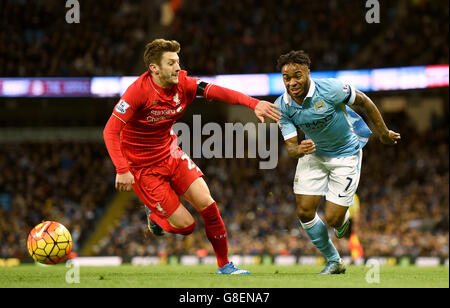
160, 185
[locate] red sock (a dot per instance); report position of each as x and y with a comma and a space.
216, 233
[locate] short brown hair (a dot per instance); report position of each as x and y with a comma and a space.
154, 50
294, 56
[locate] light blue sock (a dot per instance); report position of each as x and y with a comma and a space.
318, 234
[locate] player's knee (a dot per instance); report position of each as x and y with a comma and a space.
305, 215
188, 221
186, 230
333, 220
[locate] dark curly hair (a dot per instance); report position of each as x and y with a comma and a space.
294, 56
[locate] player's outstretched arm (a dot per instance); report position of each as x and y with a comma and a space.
261, 108
386, 136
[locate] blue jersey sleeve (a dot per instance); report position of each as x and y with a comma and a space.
288, 129
341, 92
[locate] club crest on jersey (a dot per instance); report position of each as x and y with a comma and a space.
122, 106
320, 106
176, 99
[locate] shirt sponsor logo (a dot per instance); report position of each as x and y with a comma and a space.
122, 106
159, 115
321, 123
162, 112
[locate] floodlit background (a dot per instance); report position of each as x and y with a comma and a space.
60, 81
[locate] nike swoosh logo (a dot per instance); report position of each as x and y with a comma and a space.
341, 196
44, 227
290, 116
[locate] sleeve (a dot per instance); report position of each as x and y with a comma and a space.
212, 91
122, 113
128, 104
194, 86
287, 127
111, 136
342, 92
191, 85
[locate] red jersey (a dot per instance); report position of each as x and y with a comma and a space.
149, 112
139, 132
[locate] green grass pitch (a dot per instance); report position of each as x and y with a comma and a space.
203, 276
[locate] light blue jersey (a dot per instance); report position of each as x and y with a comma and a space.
325, 117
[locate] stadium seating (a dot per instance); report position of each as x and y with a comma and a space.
37, 41
219, 37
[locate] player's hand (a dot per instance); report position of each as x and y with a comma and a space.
307, 147
125, 181
390, 138
266, 109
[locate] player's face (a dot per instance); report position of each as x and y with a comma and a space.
169, 68
296, 80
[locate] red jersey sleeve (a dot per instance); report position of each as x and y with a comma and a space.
123, 111
213, 91
128, 103
111, 136
190, 85
229, 96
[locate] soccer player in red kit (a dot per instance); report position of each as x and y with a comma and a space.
144, 150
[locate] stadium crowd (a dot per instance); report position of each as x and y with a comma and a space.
219, 37
404, 211
38, 42
248, 36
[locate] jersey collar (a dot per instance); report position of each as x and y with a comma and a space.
312, 88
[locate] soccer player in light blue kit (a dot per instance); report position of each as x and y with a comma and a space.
329, 159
